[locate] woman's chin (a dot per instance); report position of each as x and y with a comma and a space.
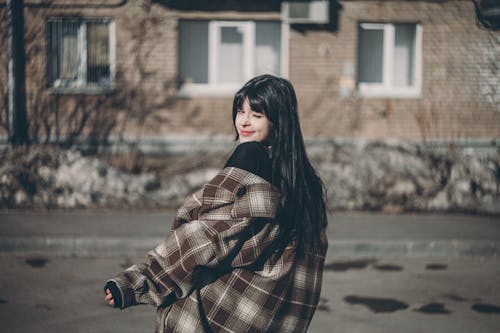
246, 139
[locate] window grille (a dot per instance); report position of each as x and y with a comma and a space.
79, 53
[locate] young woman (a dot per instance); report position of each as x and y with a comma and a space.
246, 251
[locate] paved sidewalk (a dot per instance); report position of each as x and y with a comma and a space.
350, 234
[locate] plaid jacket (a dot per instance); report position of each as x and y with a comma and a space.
211, 273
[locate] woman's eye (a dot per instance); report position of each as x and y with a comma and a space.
258, 116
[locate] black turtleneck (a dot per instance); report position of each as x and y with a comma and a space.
252, 157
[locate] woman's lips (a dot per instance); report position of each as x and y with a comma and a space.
246, 133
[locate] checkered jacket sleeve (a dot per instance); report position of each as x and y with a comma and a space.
227, 223
212, 272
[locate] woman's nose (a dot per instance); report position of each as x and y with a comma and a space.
246, 120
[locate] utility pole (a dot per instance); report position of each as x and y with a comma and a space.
18, 124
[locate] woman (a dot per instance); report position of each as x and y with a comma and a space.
246, 251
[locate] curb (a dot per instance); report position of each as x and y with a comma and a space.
412, 248
80, 246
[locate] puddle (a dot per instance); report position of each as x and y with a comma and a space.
43, 307
323, 305
343, 266
376, 304
3, 301
436, 267
455, 298
486, 308
388, 268
37, 262
434, 308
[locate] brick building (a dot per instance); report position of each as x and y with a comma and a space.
368, 69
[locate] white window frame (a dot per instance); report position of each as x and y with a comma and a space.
216, 89
81, 84
214, 36
386, 87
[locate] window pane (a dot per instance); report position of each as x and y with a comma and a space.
404, 50
193, 51
63, 51
268, 46
69, 51
231, 55
98, 67
371, 48
53, 38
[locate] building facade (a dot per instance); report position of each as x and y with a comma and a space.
417, 70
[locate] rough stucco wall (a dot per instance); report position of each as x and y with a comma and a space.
460, 75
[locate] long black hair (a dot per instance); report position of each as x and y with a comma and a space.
302, 213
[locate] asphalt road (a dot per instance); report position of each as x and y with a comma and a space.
384, 273
48, 293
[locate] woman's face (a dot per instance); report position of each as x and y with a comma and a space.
251, 125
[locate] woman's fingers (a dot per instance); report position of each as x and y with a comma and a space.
109, 298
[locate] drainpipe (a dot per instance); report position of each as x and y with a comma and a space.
18, 125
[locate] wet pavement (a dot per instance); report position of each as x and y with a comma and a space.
46, 293
415, 297
370, 285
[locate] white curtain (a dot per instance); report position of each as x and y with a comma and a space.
68, 50
403, 55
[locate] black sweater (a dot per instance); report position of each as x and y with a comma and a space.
252, 157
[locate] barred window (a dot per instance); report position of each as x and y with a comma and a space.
79, 53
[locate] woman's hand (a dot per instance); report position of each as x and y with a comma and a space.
109, 298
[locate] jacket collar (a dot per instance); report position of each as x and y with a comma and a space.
233, 193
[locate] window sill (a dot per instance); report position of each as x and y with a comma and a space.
386, 92
208, 90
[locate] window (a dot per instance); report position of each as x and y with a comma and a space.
80, 53
389, 60
217, 57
